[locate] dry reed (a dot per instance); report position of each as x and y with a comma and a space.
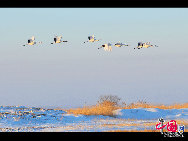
106, 108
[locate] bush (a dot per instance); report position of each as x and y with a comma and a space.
109, 100
106, 105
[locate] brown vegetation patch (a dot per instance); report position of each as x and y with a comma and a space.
105, 108
108, 103
141, 104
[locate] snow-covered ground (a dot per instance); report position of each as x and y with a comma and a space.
31, 119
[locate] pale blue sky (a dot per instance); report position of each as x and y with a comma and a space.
72, 74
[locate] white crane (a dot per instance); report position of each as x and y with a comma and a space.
106, 47
57, 39
120, 44
31, 41
144, 45
91, 39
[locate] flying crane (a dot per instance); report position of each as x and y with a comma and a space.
91, 39
144, 45
57, 39
120, 44
106, 47
31, 41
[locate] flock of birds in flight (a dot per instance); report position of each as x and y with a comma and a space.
106, 47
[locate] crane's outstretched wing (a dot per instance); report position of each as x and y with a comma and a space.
59, 38
29, 41
108, 47
55, 39
33, 38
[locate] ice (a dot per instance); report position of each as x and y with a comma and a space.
33, 119
151, 109
154, 113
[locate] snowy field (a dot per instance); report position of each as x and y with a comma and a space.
32, 119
